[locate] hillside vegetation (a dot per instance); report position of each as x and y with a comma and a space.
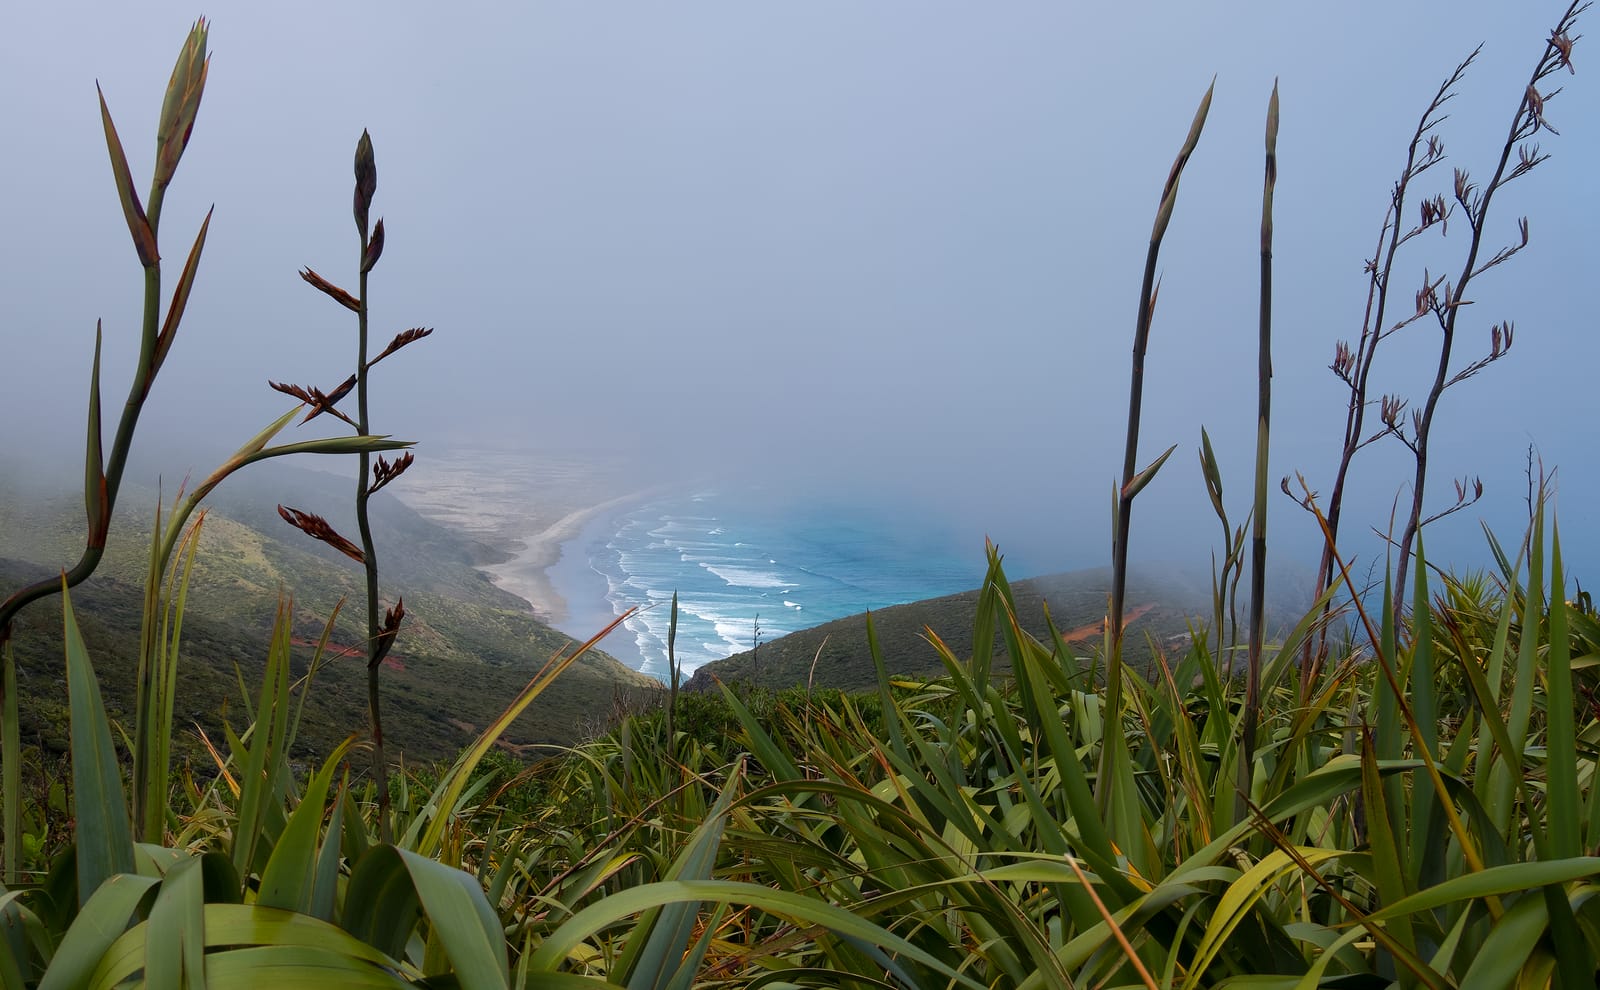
469, 648
1165, 609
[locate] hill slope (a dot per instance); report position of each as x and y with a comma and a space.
835, 654
465, 650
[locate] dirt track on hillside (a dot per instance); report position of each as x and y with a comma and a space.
1095, 629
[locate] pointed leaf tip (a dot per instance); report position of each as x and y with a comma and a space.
180, 296
144, 239
95, 495
374, 248
1169, 192
1136, 484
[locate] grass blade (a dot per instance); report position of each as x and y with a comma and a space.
101, 922
798, 907
174, 945
180, 296
455, 781
105, 837
289, 880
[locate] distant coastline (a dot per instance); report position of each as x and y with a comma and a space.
523, 510
748, 562
526, 573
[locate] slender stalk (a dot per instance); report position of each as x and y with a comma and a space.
672, 672
11, 767
377, 643
380, 632
1130, 466
1134, 480
95, 547
1258, 538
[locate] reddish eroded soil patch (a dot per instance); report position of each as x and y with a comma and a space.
336, 652
1095, 629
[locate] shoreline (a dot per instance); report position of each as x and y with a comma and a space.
533, 519
527, 573
587, 590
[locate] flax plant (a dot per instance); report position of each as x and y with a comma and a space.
370, 477
1133, 479
1224, 628
1445, 306
164, 590
1258, 538
103, 468
962, 820
162, 621
1438, 299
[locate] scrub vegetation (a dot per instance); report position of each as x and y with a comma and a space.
1395, 789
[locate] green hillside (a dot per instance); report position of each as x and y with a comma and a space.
466, 648
835, 654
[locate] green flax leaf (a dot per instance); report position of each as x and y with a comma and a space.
144, 239
105, 837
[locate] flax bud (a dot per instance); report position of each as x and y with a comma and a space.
366, 182
182, 103
374, 248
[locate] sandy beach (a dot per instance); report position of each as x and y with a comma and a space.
525, 505
526, 574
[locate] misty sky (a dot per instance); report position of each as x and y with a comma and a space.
888, 247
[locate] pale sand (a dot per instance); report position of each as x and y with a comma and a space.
524, 504
524, 575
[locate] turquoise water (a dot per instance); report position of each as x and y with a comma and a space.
748, 562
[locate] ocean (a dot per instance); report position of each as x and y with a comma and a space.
747, 564
748, 560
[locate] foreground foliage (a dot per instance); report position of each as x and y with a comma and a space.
1380, 840
938, 833
1417, 810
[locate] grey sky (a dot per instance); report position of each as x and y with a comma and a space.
889, 245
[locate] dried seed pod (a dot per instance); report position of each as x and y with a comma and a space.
394, 616
294, 390
384, 472
1563, 46
318, 528
323, 402
338, 295
400, 340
